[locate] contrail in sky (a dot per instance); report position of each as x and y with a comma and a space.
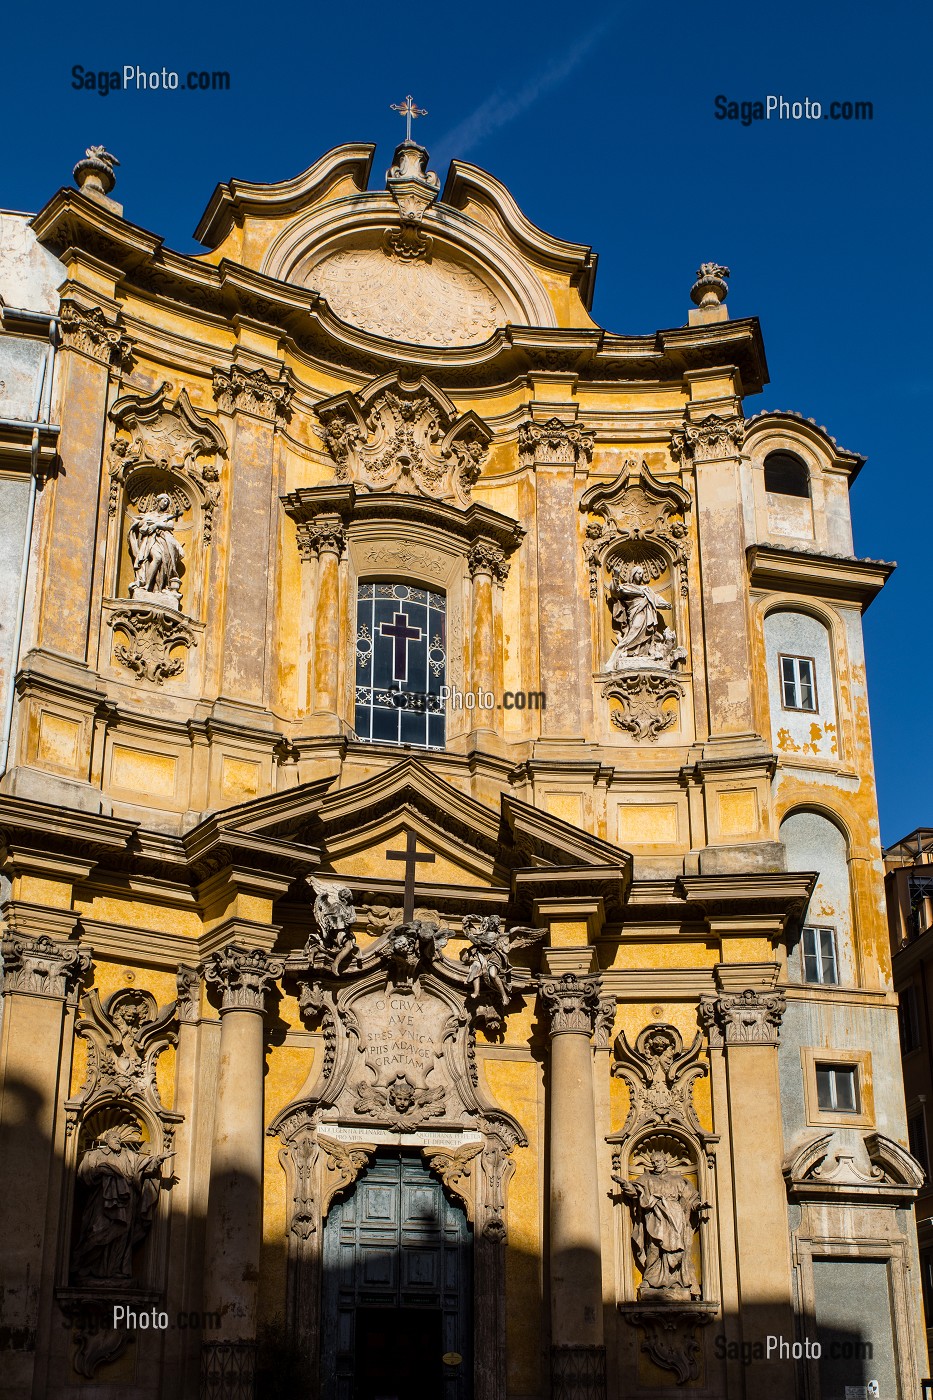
500, 107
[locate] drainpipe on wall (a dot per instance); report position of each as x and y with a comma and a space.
42, 419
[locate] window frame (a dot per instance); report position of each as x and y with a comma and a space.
908, 1014
826, 1056
838, 1072
433, 595
820, 981
811, 662
800, 462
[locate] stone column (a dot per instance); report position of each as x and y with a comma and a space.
42, 975
743, 1029
259, 404
578, 1359
91, 344
556, 450
234, 1215
328, 539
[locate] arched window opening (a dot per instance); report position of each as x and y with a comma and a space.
786, 475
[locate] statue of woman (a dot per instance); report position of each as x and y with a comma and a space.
636, 612
123, 1191
155, 552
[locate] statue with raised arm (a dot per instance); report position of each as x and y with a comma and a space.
636, 615
334, 914
664, 1207
156, 554
123, 1185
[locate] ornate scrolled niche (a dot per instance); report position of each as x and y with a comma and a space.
165, 471
637, 551
403, 434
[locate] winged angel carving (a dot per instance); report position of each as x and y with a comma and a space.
332, 939
488, 961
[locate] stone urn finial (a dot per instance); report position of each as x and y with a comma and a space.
94, 175
412, 185
709, 293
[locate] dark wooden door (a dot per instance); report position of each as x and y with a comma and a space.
397, 1289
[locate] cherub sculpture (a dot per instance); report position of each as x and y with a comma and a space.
413, 946
332, 938
487, 960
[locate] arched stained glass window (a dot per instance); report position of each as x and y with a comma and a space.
401, 665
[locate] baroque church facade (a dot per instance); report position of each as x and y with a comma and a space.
443, 924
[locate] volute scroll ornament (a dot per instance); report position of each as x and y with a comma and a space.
572, 1004
745, 1018
44, 967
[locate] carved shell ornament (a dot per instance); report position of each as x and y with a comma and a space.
410, 299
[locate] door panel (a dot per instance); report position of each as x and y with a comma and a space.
397, 1289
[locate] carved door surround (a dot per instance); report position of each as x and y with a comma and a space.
346, 535
637, 543
165, 465
398, 1072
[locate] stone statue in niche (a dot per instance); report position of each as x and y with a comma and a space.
332, 940
641, 637
156, 554
123, 1185
664, 1208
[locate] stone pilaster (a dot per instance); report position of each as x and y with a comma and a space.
42, 977
556, 449
743, 1029
327, 539
93, 345
572, 1006
258, 403
244, 976
710, 442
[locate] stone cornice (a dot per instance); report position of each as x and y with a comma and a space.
817, 575
226, 289
475, 523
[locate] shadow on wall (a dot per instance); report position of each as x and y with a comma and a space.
397, 1279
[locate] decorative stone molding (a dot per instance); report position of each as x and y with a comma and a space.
411, 184
343, 1163
640, 520
710, 289
457, 1171
88, 330
245, 976
240, 390
747, 1018
713, 437
43, 967
125, 1034
554, 441
578, 1373
188, 1003
571, 1004
641, 696
152, 634
828, 1166
317, 537
670, 1336
399, 1103
660, 1076
160, 438
404, 436
486, 558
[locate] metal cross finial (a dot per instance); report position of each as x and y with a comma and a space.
408, 109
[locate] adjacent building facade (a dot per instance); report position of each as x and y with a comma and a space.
445, 946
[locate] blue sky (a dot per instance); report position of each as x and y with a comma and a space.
601, 122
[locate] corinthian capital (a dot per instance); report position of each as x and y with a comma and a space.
43, 967
554, 441
322, 536
713, 436
487, 559
87, 329
245, 975
573, 1004
747, 1018
252, 391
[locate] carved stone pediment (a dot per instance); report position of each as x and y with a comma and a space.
404, 436
154, 433
641, 513
843, 1164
